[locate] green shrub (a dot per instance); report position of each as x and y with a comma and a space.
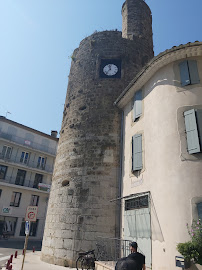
188, 250
192, 250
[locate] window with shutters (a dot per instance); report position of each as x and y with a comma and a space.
137, 152
189, 72
193, 127
137, 105
15, 199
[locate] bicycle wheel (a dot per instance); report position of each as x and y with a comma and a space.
80, 263
88, 264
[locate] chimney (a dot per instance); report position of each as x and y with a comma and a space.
54, 133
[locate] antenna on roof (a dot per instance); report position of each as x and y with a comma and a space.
7, 112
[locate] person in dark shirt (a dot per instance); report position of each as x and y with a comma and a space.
136, 257
134, 261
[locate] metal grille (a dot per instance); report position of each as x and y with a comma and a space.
111, 249
137, 203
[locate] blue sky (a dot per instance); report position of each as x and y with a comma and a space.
39, 36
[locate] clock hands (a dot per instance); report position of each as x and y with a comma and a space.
110, 69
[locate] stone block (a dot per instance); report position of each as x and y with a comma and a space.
57, 243
68, 244
90, 236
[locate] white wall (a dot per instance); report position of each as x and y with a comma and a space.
171, 175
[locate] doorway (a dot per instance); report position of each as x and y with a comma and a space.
137, 224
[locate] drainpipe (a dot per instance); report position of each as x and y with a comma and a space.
120, 179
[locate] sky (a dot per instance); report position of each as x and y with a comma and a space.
38, 37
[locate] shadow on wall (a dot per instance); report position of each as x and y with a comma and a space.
155, 224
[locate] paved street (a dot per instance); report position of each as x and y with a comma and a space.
8, 247
33, 262
5, 254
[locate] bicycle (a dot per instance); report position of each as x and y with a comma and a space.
86, 260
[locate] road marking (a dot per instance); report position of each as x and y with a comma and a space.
5, 258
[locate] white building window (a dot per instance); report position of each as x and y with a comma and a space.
41, 163
15, 199
3, 170
34, 200
24, 157
6, 152
199, 210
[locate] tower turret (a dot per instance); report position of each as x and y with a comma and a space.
137, 21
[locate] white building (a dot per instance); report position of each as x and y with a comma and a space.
162, 154
26, 164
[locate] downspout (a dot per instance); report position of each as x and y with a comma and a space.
120, 179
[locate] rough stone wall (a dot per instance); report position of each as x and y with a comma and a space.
137, 21
86, 171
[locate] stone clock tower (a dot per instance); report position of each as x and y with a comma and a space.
86, 174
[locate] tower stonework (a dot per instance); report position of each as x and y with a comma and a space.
137, 21
86, 171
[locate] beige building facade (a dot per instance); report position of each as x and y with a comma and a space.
26, 164
162, 154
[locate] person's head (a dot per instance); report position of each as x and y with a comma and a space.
133, 247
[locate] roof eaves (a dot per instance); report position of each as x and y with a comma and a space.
152, 63
4, 119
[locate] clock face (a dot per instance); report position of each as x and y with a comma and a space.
110, 69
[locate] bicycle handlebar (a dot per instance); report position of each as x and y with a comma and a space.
86, 253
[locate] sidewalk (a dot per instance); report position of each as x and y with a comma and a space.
33, 262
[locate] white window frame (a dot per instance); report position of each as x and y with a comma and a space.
6, 152
34, 200
40, 163
23, 159
15, 199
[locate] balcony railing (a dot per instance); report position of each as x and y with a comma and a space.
28, 143
25, 183
27, 163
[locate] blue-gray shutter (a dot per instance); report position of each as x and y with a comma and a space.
193, 145
137, 152
184, 73
193, 72
199, 208
137, 108
199, 124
